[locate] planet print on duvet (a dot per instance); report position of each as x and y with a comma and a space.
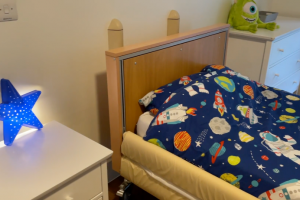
216, 150
225, 83
232, 179
182, 141
157, 142
219, 126
292, 98
249, 91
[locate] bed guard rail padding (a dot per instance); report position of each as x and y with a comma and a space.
179, 172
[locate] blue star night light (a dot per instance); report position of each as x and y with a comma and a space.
15, 111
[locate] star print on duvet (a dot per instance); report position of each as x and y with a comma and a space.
244, 132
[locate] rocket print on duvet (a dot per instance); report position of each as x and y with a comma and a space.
185, 80
219, 103
286, 191
247, 112
175, 114
148, 98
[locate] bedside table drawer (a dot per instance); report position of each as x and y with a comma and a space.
290, 84
284, 47
282, 70
84, 187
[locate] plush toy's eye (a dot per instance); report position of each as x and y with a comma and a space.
250, 8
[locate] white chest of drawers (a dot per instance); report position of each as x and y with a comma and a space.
269, 57
55, 163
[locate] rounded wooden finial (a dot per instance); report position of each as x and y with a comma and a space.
115, 25
173, 23
115, 34
174, 15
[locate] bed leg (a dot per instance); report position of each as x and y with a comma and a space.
125, 190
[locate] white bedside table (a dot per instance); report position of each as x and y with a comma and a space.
269, 57
55, 163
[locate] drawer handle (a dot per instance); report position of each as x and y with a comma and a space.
295, 82
282, 50
277, 75
298, 60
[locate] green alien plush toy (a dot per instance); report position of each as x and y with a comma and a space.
244, 16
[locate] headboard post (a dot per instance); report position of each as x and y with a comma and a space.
134, 70
115, 109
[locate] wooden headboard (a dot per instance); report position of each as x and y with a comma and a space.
135, 70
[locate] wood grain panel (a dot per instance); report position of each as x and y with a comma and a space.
164, 40
115, 109
146, 75
203, 52
226, 39
150, 71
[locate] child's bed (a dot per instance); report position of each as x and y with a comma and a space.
132, 72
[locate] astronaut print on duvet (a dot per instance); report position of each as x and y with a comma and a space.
246, 133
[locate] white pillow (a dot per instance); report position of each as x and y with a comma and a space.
143, 123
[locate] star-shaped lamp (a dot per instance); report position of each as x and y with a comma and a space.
15, 111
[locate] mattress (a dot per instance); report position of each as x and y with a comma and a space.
178, 172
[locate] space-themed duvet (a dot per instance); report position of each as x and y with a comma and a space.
243, 132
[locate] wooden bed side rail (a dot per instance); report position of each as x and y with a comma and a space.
113, 58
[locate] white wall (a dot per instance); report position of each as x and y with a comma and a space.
263, 4
284, 7
58, 47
